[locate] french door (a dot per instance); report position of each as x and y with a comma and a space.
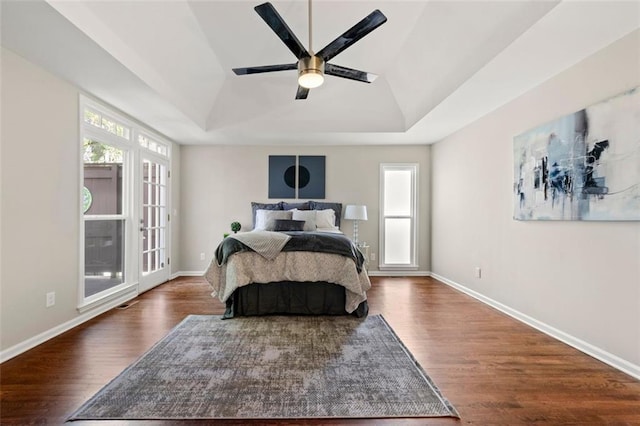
154, 220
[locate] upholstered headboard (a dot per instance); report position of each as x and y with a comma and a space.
303, 205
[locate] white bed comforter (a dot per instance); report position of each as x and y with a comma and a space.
249, 267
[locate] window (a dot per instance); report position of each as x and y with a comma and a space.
106, 158
125, 203
398, 225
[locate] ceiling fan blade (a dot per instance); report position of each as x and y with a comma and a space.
355, 33
282, 30
302, 93
265, 68
350, 73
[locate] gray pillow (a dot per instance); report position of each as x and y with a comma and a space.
263, 206
299, 206
289, 225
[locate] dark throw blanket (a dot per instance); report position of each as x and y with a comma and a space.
321, 242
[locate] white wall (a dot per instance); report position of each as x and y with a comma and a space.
40, 215
40, 172
580, 278
220, 182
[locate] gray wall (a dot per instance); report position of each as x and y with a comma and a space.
40, 218
40, 214
580, 278
220, 182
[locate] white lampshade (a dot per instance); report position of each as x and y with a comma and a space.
353, 212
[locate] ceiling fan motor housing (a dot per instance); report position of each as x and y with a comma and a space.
311, 68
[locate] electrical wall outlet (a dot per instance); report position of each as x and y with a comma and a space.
201, 256
51, 299
372, 256
478, 272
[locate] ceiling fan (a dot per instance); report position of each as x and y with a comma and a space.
313, 66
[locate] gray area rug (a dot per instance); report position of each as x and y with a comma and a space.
272, 367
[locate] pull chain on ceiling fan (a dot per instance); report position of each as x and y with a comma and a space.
312, 67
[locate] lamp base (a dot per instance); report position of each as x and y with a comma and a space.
355, 232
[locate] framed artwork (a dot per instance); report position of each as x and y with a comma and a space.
293, 176
282, 176
583, 166
311, 176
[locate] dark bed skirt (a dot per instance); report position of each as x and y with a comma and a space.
294, 298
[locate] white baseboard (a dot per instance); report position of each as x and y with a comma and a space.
190, 273
589, 349
34, 341
399, 273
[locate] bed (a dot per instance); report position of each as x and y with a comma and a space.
295, 261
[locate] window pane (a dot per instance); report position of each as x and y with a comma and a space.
92, 118
152, 145
110, 125
102, 178
397, 192
397, 241
103, 255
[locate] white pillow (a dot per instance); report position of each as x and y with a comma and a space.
325, 218
266, 219
333, 230
309, 217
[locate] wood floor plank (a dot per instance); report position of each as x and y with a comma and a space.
493, 369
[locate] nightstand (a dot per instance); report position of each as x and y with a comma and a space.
364, 249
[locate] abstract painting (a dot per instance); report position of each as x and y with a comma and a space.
282, 176
583, 166
311, 176
293, 176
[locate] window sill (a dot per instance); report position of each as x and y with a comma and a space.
127, 292
398, 267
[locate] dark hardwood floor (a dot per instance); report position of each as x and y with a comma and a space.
493, 369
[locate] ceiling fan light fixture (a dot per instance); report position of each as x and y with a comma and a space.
311, 79
311, 67
311, 72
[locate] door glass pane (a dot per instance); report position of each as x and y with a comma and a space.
397, 241
103, 255
154, 216
397, 192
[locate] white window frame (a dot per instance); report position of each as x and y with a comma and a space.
131, 196
413, 215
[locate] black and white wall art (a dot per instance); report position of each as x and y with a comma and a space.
282, 176
583, 166
311, 176
293, 176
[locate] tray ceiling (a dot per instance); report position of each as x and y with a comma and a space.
441, 64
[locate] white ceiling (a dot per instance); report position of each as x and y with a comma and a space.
441, 64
